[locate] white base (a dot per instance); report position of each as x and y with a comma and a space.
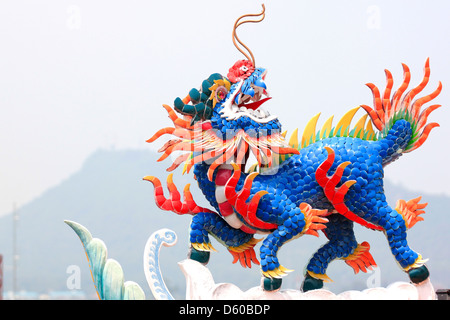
200, 285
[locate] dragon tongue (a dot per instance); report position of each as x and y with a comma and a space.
254, 105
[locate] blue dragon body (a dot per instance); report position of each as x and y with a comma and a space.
327, 181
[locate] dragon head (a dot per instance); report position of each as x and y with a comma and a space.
225, 118
242, 108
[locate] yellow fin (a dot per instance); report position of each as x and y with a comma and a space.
344, 123
293, 141
326, 128
309, 134
369, 129
360, 125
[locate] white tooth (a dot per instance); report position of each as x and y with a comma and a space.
243, 109
262, 112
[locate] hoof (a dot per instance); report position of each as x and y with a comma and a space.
199, 256
271, 284
418, 275
311, 283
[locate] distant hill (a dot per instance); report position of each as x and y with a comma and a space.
109, 197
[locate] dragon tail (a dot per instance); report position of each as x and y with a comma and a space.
401, 123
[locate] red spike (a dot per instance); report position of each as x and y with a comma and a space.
411, 94
361, 259
419, 102
334, 180
204, 156
235, 256
174, 195
179, 146
251, 213
175, 119
288, 151
342, 191
188, 206
189, 203
178, 161
424, 115
403, 87
423, 136
168, 144
161, 132
374, 116
179, 132
376, 100
336, 195
158, 193
238, 200
321, 172
387, 93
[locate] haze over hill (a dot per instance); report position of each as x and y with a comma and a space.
109, 197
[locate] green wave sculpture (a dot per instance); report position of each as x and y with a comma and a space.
107, 274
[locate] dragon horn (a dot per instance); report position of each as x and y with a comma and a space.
235, 37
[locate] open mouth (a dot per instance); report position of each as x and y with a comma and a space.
254, 105
248, 104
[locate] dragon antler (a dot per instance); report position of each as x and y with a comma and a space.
238, 23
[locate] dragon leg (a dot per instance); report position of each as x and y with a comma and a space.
341, 245
376, 214
238, 243
395, 227
297, 221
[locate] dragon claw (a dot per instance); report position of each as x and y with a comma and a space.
278, 272
204, 247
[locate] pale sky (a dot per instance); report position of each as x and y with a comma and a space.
76, 76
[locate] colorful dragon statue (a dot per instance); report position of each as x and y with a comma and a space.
328, 180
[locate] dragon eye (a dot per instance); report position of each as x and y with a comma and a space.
221, 93
244, 68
